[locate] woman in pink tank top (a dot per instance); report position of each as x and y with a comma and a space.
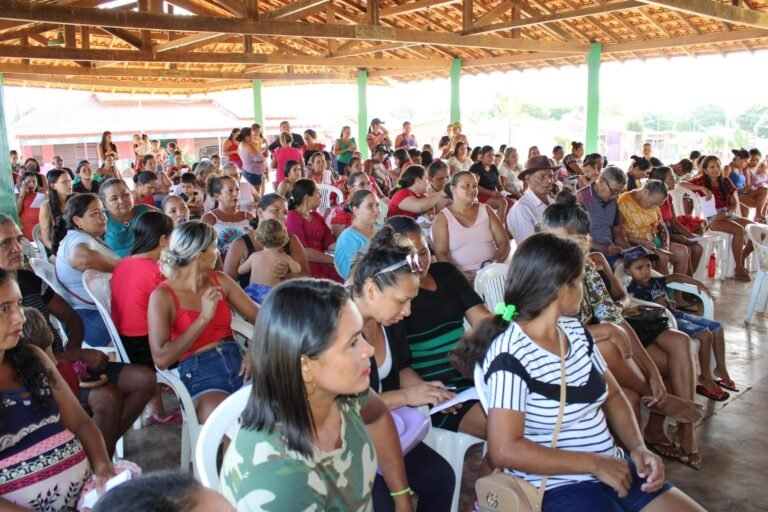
189, 318
466, 233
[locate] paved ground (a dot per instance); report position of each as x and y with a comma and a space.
732, 437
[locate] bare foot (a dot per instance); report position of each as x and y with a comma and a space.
687, 438
684, 411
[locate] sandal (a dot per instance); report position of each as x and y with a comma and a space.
672, 452
717, 393
726, 384
173, 418
685, 459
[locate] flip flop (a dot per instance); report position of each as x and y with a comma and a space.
173, 418
657, 447
685, 460
726, 384
717, 394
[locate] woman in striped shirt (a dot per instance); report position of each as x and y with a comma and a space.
520, 356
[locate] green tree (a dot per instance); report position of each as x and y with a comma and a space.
740, 139
708, 116
714, 143
749, 119
532, 110
635, 125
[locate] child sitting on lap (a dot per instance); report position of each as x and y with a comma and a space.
273, 237
638, 264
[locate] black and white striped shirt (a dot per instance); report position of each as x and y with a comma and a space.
584, 425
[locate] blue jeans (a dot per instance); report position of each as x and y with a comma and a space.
599, 497
216, 369
253, 179
96, 333
693, 325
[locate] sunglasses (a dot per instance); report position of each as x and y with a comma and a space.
412, 260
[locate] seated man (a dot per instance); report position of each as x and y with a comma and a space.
526, 213
117, 403
599, 200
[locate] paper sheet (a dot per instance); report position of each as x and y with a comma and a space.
467, 394
708, 208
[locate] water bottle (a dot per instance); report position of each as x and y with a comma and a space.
712, 266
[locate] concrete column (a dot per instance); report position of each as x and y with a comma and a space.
7, 196
593, 98
455, 91
258, 109
362, 111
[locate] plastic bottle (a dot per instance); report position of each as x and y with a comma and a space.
712, 266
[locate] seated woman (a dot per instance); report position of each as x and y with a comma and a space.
314, 441
644, 225
678, 233
411, 198
587, 471
133, 281
122, 214
189, 318
293, 173
489, 187
28, 202
342, 217
590, 170
145, 188
309, 227
466, 233
459, 160
638, 170
319, 172
85, 182
78, 246
634, 360
59, 192
50, 445
509, 169
712, 183
229, 222
176, 209
354, 239
383, 284
750, 196
271, 206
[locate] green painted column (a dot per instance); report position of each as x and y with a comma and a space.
455, 90
362, 111
258, 109
7, 195
593, 97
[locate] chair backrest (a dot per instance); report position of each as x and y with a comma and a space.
326, 193
97, 285
38, 242
480, 387
759, 236
489, 283
213, 430
46, 271
679, 195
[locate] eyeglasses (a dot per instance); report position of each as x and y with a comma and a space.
614, 192
412, 260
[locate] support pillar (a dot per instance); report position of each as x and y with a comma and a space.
455, 91
362, 112
258, 109
7, 195
593, 98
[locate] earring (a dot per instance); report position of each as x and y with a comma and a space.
314, 388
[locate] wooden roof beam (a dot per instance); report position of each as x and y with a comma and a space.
495, 13
356, 52
708, 38
715, 10
557, 16
186, 42
112, 18
200, 10
124, 35
299, 7
122, 56
418, 5
27, 30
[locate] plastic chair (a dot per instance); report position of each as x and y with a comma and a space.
38, 242
489, 283
759, 236
97, 285
47, 272
219, 423
453, 447
326, 193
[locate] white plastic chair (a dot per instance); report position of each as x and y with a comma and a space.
453, 447
47, 272
97, 285
38, 242
219, 423
489, 283
326, 193
759, 236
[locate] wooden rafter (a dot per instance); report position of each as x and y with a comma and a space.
716, 10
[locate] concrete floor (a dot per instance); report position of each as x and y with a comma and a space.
732, 436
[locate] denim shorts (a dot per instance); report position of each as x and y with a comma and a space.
96, 333
599, 496
216, 369
253, 179
693, 325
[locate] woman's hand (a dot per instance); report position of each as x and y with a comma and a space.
432, 392
102, 475
245, 368
95, 360
210, 301
281, 269
649, 467
613, 472
404, 503
658, 390
707, 193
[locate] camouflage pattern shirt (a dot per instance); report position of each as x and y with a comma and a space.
260, 472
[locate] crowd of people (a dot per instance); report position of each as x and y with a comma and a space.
257, 232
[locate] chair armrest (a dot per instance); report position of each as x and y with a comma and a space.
706, 298
638, 302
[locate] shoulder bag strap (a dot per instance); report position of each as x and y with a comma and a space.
560, 413
61, 283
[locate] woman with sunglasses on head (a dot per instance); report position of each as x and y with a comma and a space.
384, 280
312, 432
525, 354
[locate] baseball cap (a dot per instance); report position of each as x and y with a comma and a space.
635, 253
